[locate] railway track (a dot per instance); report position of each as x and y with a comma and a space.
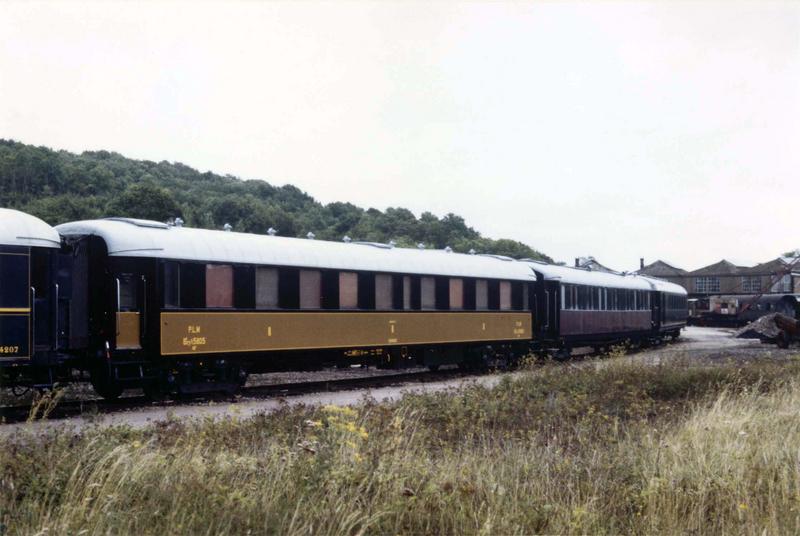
90, 407
95, 407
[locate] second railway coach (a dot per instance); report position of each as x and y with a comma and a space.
180, 309
577, 307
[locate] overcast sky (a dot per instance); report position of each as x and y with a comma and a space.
663, 129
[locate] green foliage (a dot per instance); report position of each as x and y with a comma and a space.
615, 447
60, 186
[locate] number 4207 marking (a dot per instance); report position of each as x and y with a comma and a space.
9, 349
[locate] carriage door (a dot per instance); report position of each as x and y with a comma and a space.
44, 297
15, 303
130, 297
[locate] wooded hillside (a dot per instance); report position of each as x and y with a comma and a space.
60, 186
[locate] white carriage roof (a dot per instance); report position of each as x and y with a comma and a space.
20, 229
139, 238
664, 286
578, 276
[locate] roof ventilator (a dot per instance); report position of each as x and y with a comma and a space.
420, 246
272, 231
178, 222
448, 249
311, 236
347, 239
227, 227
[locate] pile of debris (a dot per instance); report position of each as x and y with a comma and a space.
767, 327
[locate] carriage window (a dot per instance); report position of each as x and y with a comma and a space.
525, 297
383, 292
193, 285
442, 293
366, 291
401, 292
469, 294
330, 289
219, 285
481, 294
456, 294
244, 287
505, 295
127, 292
289, 288
427, 293
14, 284
266, 288
310, 289
348, 290
172, 284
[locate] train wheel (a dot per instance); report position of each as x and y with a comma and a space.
563, 354
105, 386
153, 392
433, 368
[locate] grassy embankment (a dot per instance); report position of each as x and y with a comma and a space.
617, 448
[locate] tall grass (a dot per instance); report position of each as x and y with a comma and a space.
616, 448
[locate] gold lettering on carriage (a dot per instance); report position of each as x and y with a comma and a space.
194, 341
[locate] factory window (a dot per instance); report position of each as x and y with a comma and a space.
172, 284
219, 285
266, 288
706, 284
310, 289
456, 294
784, 284
348, 290
751, 283
481, 294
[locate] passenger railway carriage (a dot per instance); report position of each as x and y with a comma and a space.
189, 309
135, 303
29, 297
576, 307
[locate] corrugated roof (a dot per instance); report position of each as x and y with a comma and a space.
766, 268
139, 238
20, 229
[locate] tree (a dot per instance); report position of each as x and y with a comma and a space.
145, 200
